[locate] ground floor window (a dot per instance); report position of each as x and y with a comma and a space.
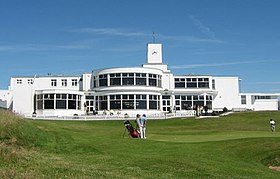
58, 101
127, 101
189, 102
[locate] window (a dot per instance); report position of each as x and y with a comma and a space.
186, 102
30, 81
48, 101
213, 84
102, 102
74, 82
115, 101
61, 101
72, 98
203, 83
53, 82
115, 79
128, 101
39, 101
243, 99
128, 79
19, 81
141, 79
152, 80
153, 102
103, 80
141, 102
180, 83
191, 82
64, 82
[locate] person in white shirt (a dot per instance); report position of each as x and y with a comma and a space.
272, 124
143, 129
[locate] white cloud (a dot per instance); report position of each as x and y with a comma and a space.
128, 33
40, 47
217, 64
202, 28
110, 31
265, 83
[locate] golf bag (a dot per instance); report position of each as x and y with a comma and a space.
132, 132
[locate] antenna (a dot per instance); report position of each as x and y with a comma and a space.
154, 37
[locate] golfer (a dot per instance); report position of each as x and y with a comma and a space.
272, 124
143, 123
138, 124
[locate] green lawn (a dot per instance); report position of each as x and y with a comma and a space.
240, 145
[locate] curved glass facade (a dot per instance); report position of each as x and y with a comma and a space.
127, 79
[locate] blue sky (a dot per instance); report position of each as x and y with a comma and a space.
217, 37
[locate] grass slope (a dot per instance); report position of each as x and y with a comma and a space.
235, 146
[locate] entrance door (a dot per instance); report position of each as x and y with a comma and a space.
166, 103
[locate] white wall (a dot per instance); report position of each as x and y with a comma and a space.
228, 93
23, 94
261, 105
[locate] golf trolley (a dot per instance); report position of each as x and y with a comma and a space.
131, 130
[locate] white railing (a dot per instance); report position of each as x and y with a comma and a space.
190, 113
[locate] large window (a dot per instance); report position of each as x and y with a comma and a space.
115, 79
102, 102
189, 102
180, 83
141, 79
153, 102
152, 80
186, 102
203, 83
141, 101
115, 101
103, 80
72, 98
61, 101
192, 82
128, 78
48, 101
58, 101
128, 101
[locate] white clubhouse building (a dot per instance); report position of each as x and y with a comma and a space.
150, 89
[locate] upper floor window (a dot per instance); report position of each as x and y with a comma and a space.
103, 80
30, 81
19, 81
115, 79
74, 82
191, 82
180, 83
53, 82
203, 83
128, 78
213, 84
141, 79
64, 82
